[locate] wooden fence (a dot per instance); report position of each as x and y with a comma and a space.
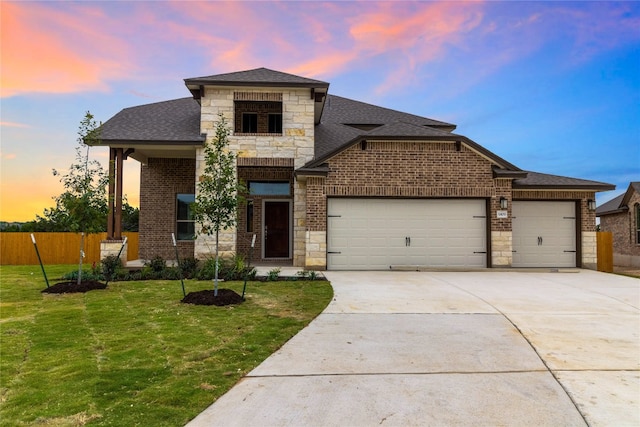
56, 248
604, 242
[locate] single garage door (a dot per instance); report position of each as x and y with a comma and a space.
544, 234
378, 234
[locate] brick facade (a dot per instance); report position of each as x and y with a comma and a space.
623, 226
160, 181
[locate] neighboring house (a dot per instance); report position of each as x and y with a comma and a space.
340, 184
621, 216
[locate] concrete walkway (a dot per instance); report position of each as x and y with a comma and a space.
450, 348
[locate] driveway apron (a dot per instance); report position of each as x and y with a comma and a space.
453, 348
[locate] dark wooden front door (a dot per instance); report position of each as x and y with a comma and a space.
276, 229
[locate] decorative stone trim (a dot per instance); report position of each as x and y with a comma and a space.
397, 191
266, 161
501, 249
589, 250
112, 247
316, 250
257, 96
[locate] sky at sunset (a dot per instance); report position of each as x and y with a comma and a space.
552, 87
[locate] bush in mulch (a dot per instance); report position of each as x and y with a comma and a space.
207, 297
72, 287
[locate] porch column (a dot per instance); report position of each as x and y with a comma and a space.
118, 214
112, 187
114, 217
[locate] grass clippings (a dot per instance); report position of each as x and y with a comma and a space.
133, 354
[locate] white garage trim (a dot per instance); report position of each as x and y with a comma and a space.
544, 234
379, 234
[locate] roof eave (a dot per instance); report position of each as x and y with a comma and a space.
597, 188
453, 137
615, 211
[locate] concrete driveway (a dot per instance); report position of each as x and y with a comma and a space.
453, 348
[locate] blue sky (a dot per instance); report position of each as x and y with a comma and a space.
552, 87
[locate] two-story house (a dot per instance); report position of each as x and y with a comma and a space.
335, 183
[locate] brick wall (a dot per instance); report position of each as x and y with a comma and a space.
623, 226
160, 181
407, 170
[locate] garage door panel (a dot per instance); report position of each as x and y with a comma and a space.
441, 232
544, 234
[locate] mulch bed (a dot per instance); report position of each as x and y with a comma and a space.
206, 297
72, 287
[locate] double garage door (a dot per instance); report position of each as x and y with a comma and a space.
379, 234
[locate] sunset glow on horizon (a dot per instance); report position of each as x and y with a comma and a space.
552, 87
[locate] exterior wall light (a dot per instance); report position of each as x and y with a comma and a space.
503, 203
591, 204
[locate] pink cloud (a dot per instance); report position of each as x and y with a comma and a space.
14, 125
59, 50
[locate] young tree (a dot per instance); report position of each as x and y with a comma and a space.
219, 192
82, 205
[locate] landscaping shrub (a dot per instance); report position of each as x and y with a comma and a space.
156, 264
111, 267
189, 267
229, 269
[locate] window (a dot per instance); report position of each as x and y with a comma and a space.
269, 188
186, 229
249, 216
249, 122
275, 123
261, 117
637, 223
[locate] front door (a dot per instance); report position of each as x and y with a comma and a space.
276, 229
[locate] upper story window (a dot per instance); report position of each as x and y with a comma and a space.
262, 117
258, 113
249, 122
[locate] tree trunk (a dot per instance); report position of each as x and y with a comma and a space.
215, 286
81, 256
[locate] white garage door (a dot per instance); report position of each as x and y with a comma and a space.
544, 234
378, 234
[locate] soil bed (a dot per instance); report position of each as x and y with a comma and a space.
206, 297
72, 286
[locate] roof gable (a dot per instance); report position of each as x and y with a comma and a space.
634, 187
255, 77
621, 202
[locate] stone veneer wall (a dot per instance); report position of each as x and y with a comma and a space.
160, 181
296, 144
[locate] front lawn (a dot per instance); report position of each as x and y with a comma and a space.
133, 354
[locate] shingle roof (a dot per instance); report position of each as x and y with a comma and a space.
619, 203
256, 77
342, 121
612, 206
536, 180
343, 110
177, 120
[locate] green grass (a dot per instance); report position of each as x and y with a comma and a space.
133, 354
